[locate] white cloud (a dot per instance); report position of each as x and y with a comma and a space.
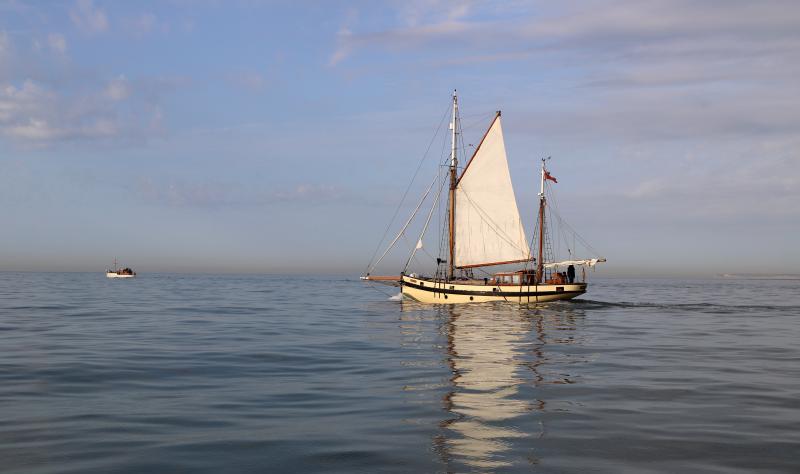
490, 31
32, 113
417, 22
344, 49
33, 130
87, 18
46, 99
344, 46
38, 115
57, 43
118, 89
417, 12
401, 39
709, 89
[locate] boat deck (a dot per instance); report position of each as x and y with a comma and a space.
490, 282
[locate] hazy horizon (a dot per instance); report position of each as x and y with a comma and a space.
255, 137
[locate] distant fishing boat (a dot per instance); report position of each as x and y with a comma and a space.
120, 272
484, 229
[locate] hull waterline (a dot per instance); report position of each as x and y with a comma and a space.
437, 291
115, 275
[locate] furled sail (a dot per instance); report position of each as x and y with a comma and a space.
488, 228
590, 262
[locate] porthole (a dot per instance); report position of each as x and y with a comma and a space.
471, 298
445, 296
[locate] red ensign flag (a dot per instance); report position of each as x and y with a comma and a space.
547, 176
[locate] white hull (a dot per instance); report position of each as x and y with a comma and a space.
436, 291
117, 275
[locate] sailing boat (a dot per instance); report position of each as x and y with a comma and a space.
484, 229
120, 272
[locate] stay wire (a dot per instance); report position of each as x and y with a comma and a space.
405, 194
575, 234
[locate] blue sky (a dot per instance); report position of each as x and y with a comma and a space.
279, 136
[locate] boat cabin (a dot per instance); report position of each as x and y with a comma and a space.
528, 277
521, 277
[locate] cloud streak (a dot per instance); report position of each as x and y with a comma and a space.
37, 115
708, 89
87, 18
47, 99
598, 24
605, 31
203, 193
639, 69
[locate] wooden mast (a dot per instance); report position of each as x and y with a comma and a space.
539, 262
453, 182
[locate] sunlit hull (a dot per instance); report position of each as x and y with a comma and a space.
431, 291
117, 275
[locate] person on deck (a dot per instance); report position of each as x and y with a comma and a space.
571, 274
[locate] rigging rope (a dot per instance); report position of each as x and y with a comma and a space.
425, 227
492, 225
567, 227
402, 200
402, 231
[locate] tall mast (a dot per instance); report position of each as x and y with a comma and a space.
453, 180
539, 262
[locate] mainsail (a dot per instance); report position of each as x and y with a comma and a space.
488, 228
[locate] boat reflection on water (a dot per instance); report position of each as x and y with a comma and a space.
500, 367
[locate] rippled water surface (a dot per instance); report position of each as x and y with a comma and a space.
220, 373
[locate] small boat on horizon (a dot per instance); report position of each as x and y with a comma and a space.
482, 228
117, 272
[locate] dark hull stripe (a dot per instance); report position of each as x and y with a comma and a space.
492, 293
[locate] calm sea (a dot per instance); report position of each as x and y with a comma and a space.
220, 373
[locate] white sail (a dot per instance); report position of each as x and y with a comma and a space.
488, 226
